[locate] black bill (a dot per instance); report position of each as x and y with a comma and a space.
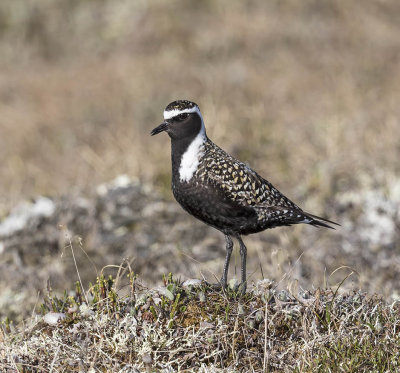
161, 128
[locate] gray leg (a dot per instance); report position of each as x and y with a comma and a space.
229, 248
243, 254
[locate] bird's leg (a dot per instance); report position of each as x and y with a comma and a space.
243, 254
229, 248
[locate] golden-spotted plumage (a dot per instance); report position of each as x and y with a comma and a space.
239, 181
245, 187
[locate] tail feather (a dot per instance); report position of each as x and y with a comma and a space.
317, 221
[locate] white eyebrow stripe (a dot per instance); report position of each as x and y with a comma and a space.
173, 113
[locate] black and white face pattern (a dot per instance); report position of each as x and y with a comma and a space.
183, 119
184, 124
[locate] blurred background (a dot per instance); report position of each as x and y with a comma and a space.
306, 92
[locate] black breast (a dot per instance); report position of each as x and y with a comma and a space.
209, 204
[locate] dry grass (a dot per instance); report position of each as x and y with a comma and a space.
307, 92
191, 328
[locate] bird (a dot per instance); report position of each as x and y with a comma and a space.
222, 191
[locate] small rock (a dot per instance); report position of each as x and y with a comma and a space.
19, 217
191, 282
233, 284
52, 318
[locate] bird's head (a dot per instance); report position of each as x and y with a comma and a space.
182, 119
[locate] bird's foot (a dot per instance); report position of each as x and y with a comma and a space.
232, 285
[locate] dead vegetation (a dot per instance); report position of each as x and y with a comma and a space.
303, 91
45, 240
187, 326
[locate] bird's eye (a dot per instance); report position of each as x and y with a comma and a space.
183, 116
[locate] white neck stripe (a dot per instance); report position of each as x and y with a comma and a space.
173, 113
191, 158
